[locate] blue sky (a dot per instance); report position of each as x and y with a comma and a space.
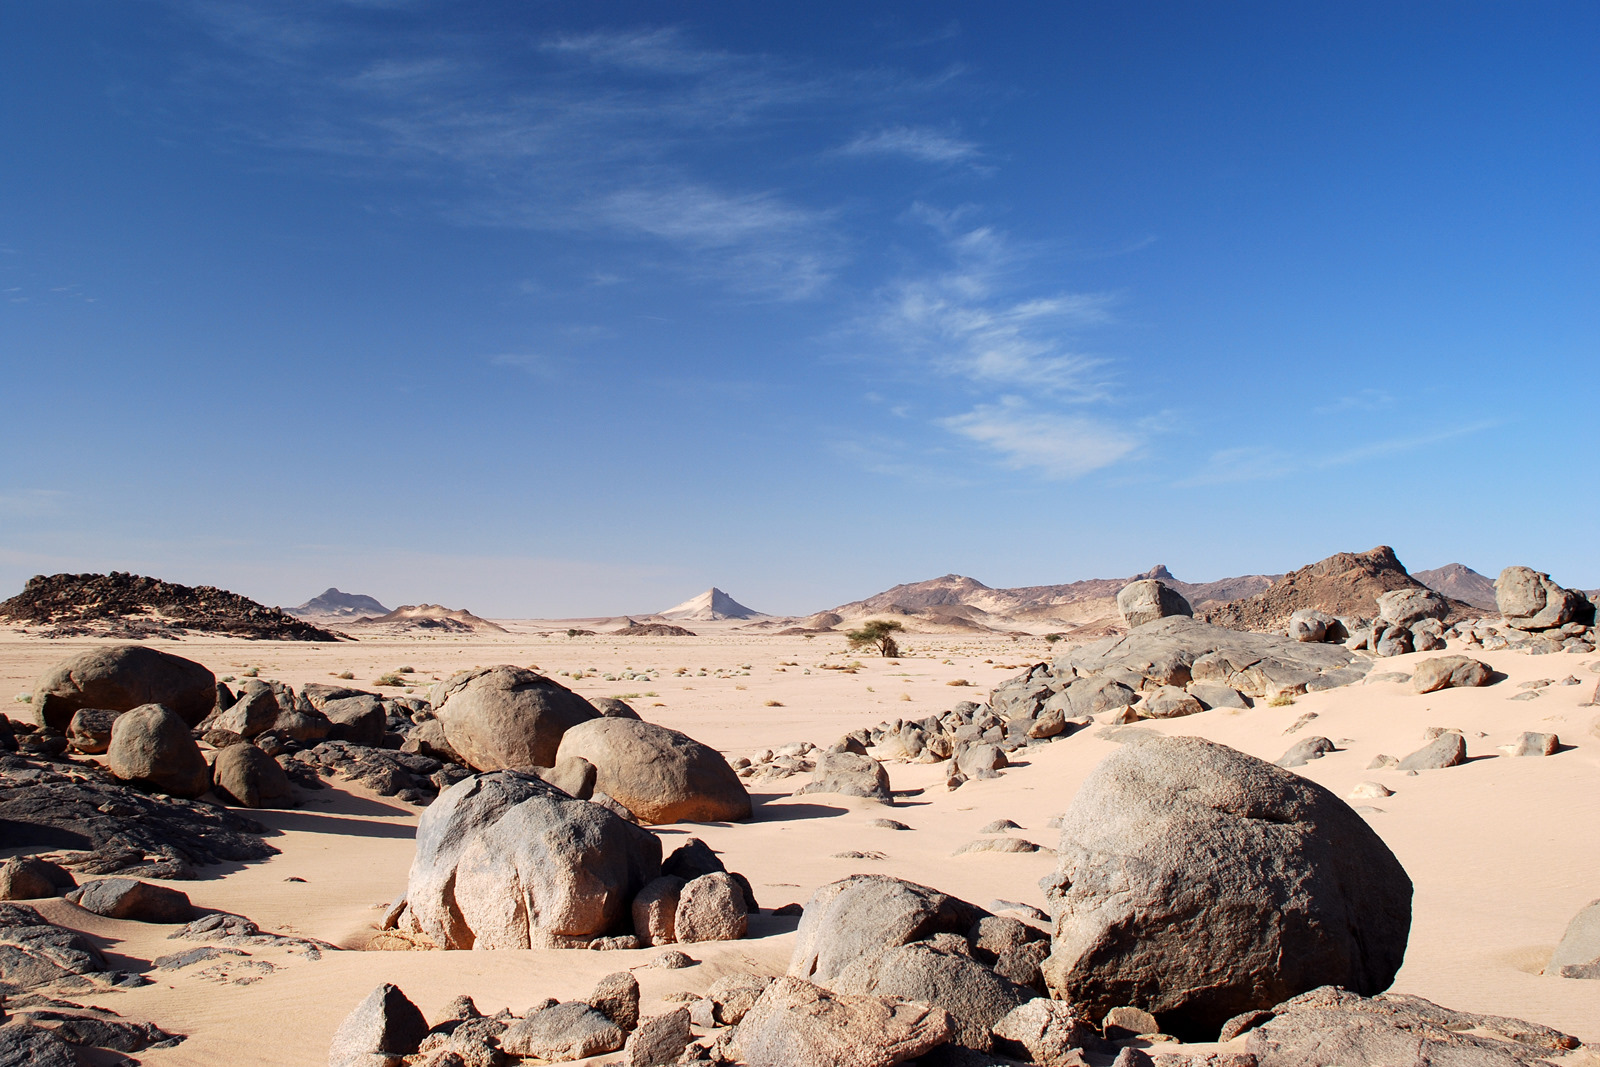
558, 309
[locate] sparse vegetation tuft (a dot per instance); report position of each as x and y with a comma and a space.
391, 679
1282, 700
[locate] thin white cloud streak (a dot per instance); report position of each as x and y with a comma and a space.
1058, 446
914, 142
1261, 462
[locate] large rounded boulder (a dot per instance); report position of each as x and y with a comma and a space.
121, 678
1197, 883
507, 717
658, 774
505, 860
246, 776
152, 748
1150, 599
1531, 601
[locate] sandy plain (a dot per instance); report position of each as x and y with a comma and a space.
1502, 851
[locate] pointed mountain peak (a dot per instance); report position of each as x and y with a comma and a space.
710, 605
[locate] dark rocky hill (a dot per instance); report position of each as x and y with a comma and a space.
1345, 584
133, 606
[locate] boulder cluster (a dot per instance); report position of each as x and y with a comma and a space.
508, 860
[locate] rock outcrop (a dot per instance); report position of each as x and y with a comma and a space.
1344, 585
1149, 599
121, 678
658, 774
1578, 954
1197, 882
507, 717
797, 1024
863, 916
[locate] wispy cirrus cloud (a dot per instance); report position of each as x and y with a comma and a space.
920, 143
607, 133
1056, 444
1251, 463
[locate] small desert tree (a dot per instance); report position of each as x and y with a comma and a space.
879, 632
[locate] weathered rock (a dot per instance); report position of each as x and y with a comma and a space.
945, 977
1370, 791
1308, 625
90, 730
128, 898
1043, 1031
569, 1031
1177, 651
981, 761
1174, 842
849, 775
612, 708
733, 995
1169, 702
505, 860
1535, 744
617, 998
383, 1028
1149, 599
151, 747
359, 719
866, 914
1578, 954
658, 774
1529, 600
1127, 1021
1211, 696
1331, 1027
655, 910
1406, 607
797, 1024
31, 878
711, 908
121, 678
1303, 751
1446, 750
1052, 722
247, 777
573, 775
660, 1040
25, 1045
1450, 672
507, 717
996, 844
427, 739
1388, 640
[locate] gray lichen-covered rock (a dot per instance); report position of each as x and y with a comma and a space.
1529, 600
121, 678
26, 1045
1331, 1027
1450, 672
151, 748
1406, 607
711, 908
1168, 702
1149, 599
941, 975
659, 1040
385, 1027
797, 1024
617, 998
507, 717
1305, 750
1197, 882
1447, 750
248, 777
849, 774
572, 775
1045, 1032
658, 774
505, 860
655, 910
569, 1031
128, 898
865, 915
1578, 954
358, 719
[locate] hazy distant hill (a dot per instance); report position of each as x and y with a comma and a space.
708, 606
336, 605
1460, 582
433, 617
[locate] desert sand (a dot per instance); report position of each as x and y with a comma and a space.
1502, 851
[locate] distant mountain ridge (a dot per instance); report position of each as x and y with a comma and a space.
1345, 584
957, 602
434, 617
1460, 582
333, 604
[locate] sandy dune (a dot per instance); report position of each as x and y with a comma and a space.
1502, 851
